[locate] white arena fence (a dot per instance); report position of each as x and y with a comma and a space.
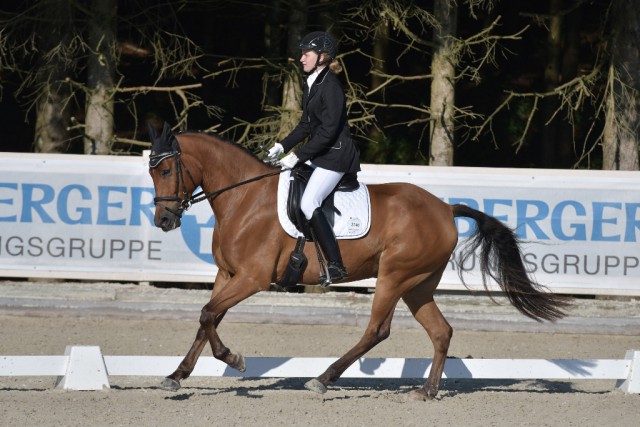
85, 368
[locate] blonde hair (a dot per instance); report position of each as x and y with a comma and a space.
335, 67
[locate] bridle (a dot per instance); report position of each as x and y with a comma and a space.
187, 199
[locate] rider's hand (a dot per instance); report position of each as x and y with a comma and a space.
275, 152
289, 162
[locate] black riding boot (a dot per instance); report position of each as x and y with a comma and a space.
323, 233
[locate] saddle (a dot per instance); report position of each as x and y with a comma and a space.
301, 174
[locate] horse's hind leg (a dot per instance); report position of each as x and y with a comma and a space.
424, 309
378, 329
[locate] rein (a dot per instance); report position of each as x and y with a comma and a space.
196, 198
187, 200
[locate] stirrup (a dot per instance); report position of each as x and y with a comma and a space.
334, 273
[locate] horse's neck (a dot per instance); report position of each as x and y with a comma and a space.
229, 204
224, 165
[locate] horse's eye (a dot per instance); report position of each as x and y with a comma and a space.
165, 172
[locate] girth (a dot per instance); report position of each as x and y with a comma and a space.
301, 174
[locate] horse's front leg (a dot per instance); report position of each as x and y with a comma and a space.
238, 289
184, 370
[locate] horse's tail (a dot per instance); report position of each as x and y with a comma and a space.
501, 259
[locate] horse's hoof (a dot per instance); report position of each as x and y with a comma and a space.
170, 384
240, 364
315, 386
418, 396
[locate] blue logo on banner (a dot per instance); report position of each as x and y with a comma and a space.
194, 232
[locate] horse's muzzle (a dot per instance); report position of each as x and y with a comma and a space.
167, 221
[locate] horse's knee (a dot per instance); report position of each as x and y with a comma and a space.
442, 338
206, 317
379, 334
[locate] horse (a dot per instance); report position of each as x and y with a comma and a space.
410, 241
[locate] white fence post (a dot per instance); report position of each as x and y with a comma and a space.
85, 370
632, 383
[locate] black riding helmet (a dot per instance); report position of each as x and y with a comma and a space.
320, 42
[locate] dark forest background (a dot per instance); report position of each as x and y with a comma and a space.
233, 59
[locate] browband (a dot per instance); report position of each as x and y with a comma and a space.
156, 159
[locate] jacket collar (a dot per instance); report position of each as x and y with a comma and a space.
319, 80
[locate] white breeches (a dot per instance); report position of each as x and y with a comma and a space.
321, 184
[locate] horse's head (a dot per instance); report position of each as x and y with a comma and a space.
168, 171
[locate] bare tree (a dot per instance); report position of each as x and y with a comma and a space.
443, 70
52, 44
52, 109
416, 61
617, 105
622, 124
99, 122
292, 87
557, 139
399, 23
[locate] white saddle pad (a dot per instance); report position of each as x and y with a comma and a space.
353, 221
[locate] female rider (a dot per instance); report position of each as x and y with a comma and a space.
329, 149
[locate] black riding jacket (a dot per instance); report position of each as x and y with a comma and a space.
324, 122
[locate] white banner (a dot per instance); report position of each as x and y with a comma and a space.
91, 217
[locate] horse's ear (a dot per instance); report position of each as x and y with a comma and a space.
153, 135
166, 132
168, 139
161, 143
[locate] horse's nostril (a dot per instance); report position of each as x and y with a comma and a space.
162, 222
167, 222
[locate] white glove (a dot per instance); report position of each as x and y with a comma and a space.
289, 162
275, 152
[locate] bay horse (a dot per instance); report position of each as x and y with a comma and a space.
410, 242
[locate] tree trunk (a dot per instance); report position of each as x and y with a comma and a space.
377, 150
443, 85
570, 61
52, 113
99, 123
292, 88
622, 125
562, 63
273, 35
291, 103
549, 149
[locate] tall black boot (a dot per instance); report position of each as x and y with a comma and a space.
323, 233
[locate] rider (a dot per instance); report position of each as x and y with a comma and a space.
330, 149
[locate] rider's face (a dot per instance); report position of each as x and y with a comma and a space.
309, 59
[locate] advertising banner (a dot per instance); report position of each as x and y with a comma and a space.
579, 229
91, 217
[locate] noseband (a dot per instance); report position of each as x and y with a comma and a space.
187, 200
